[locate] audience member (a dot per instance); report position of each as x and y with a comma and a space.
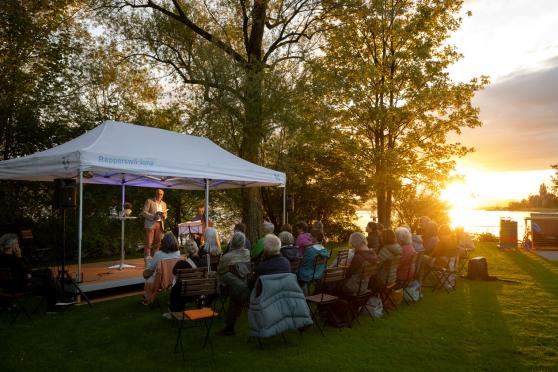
288, 249
42, 281
406, 269
307, 271
430, 237
465, 243
257, 250
242, 228
372, 238
286, 227
303, 237
364, 256
235, 281
212, 243
272, 262
169, 250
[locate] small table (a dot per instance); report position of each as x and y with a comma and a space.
122, 265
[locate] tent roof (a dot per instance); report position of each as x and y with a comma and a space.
114, 153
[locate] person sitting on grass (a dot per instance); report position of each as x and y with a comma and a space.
233, 271
307, 272
363, 256
257, 250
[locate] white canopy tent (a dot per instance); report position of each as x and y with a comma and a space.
116, 153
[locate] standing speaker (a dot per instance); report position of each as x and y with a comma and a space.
64, 193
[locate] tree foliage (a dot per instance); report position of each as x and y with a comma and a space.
386, 62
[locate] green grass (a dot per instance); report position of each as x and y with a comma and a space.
490, 326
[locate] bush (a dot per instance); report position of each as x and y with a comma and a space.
486, 237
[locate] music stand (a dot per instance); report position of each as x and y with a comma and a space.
190, 228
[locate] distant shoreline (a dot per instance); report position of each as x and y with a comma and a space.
508, 209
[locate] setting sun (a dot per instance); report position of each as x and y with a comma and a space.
483, 189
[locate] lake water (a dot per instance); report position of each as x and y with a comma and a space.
473, 220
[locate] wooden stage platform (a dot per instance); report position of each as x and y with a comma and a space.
98, 276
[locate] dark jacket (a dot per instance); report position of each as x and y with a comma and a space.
271, 265
290, 252
20, 272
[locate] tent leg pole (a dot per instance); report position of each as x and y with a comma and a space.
284, 204
80, 225
122, 223
206, 202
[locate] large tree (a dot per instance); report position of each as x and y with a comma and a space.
224, 51
386, 61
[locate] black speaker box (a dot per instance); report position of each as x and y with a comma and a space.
64, 193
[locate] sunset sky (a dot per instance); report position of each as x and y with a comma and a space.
515, 43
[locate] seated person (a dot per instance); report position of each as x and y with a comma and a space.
193, 253
23, 279
430, 236
363, 256
372, 238
272, 261
389, 250
242, 228
406, 269
169, 250
257, 250
212, 243
176, 302
288, 249
235, 283
307, 272
303, 237
445, 248
464, 242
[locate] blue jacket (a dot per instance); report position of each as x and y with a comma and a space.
277, 304
306, 272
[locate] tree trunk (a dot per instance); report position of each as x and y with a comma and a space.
251, 146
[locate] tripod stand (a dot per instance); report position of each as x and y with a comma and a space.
63, 275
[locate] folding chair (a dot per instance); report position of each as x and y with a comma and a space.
214, 262
445, 277
322, 300
295, 265
358, 300
410, 277
234, 269
342, 258
196, 288
12, 301
386, 281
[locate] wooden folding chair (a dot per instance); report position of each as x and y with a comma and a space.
196, 288
358, 300
410, 277
386, 281
322, 300
342, 258
12, 301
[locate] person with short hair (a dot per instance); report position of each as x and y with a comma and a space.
288, 249
257, 249
155, 213
363, 256
272, 261
235, 283
176, 301
406, 269
192, 251
169, 250
23, 279
242, 228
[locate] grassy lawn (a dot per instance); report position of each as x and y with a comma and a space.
494, 326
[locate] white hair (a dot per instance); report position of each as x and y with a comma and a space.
238, 240
212, 243
286, 238
403, 235
357, 239
272, 245
7, 241
268, 228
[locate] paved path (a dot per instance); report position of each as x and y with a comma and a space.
549, 255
